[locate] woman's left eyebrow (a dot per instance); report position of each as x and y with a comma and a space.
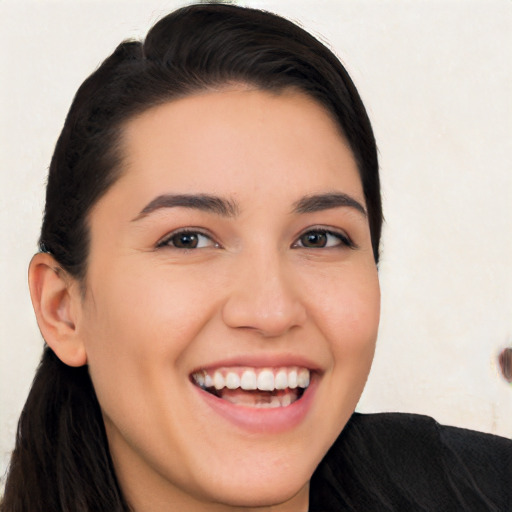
319, 202
204, 202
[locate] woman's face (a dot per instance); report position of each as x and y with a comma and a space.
233, 253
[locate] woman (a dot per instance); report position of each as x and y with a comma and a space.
208, 293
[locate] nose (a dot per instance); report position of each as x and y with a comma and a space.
263, 298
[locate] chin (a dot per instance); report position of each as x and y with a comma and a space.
264, 492
264, 481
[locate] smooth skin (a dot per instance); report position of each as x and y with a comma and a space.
257, 279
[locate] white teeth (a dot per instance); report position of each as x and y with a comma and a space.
232, 380
286, 400
292, 379
262, 405
303, 378
275, 402
266, 380
281, 380
218, 380
248, 381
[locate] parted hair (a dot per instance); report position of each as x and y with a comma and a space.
61, 460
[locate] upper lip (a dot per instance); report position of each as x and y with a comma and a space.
261, 361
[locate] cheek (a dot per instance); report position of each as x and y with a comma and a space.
347, 313
128, 309
138, 328
348, 308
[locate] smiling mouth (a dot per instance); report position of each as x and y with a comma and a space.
255, 387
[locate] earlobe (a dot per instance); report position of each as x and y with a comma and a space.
56, 301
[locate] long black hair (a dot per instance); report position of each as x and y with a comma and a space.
61, 461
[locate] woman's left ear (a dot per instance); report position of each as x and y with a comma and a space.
56, 299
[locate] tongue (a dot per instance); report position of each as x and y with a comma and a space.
259, 398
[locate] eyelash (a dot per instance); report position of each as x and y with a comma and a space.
165, 242
343, 239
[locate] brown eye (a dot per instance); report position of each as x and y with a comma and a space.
314, 239
187, 240
320, 239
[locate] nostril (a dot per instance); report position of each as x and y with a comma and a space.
505, 361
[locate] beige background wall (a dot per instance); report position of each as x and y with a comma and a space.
436, 77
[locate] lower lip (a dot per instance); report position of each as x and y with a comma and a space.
263, 420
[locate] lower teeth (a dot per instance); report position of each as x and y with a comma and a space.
258, 399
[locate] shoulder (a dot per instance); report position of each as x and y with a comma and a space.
393, 461
401, 433
415, 429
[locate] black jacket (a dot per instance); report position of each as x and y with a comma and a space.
406, 462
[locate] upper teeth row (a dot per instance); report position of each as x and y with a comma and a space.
265, 379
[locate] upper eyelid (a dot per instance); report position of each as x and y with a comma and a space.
343, 235
324, 229
200, 231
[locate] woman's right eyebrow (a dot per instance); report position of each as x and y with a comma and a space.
204, 202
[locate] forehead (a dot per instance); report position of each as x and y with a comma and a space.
257, 148
237, 134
